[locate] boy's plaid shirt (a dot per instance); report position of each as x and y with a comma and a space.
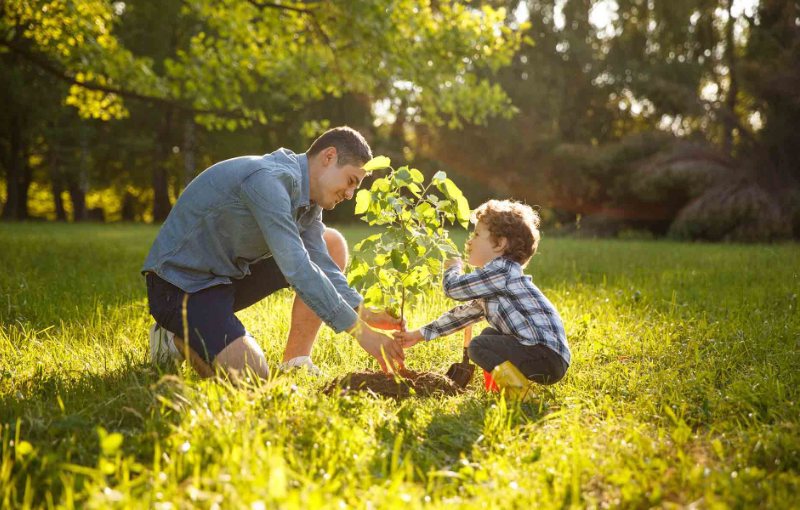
508, 299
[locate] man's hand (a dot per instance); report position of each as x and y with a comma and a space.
452, 262
384, 349
380, 319
408, 338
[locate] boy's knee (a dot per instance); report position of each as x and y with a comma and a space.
476, 348
337, 246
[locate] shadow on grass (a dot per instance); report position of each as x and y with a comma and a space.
453, 433
59, 415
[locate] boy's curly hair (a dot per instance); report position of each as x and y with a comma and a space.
515, 221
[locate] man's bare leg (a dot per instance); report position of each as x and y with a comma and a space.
305, 323
243, 353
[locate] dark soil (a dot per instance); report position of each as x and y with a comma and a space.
421, 384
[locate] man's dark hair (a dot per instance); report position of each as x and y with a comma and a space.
351, 147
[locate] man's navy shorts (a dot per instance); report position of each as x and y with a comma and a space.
210, 312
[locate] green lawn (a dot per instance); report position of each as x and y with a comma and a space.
683, 391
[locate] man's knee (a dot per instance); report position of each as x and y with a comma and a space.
337, 246
240, 355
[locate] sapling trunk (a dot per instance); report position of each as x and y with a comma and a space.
405, 256
403, 304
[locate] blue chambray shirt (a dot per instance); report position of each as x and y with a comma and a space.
243, 210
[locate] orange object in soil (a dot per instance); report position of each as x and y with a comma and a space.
488, 382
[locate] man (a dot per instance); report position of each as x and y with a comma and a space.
249, 226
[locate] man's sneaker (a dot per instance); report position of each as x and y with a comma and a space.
299, 363
162, 346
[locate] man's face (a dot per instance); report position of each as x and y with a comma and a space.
339, 183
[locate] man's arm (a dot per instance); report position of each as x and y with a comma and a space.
318, 253
481, 283
274, 217
273, 213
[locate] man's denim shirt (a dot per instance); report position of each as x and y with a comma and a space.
246, 209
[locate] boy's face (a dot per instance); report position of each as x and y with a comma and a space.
481, 248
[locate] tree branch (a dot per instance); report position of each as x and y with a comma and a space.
272, 5
315, 25
64, 75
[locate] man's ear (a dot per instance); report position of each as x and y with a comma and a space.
329, 155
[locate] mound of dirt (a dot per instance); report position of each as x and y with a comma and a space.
400, 386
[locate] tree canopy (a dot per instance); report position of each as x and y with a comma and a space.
614, 109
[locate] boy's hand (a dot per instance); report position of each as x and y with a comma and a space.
452, 262
380, 319
408, 338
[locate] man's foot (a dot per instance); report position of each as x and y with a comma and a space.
301, 362
162, 346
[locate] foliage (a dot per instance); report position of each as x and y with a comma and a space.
236, 62
78, 37
699, 73
396, 266
683, 391
770, 73
738, 211
177, 73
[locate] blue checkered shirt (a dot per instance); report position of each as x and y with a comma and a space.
508, 299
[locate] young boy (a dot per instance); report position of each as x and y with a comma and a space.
526, 340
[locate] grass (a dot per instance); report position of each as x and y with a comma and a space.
683, 392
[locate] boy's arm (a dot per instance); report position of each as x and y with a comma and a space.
481, 283
453, 320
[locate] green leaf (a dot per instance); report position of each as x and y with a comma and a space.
357, 270
403, 177
373, 296
377, 163
425, 210
363, 199
398, 261
463, 211
381, 185
417, 176
439, 177
451, 190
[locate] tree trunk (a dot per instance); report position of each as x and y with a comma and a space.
78, 199
79, 187
189, 165
57, 181
161, 205
729, 116
18, 176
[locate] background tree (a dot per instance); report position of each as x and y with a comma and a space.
235, 64
634, 111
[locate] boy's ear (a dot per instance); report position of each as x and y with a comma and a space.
501, 243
